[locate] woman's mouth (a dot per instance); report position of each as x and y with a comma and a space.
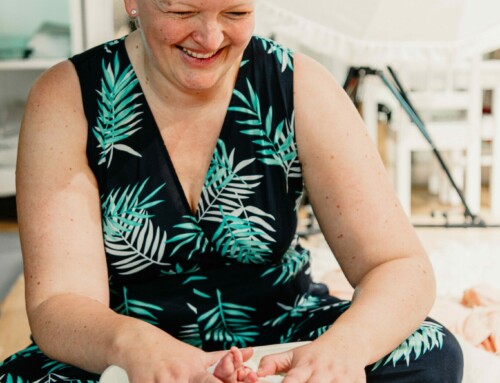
200, 56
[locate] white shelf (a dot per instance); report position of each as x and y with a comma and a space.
29, 64
7, 181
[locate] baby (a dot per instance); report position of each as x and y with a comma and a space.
231, 369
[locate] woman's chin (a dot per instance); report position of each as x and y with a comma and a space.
200, 84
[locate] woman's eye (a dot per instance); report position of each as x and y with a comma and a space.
182, 14
238, 14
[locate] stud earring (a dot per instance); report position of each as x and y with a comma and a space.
133, 12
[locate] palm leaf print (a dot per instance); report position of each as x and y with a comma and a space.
317, 333
243, 231
304, 309
193, 235
298, 200
305, 306
290, 334
118, 118
27, 352
128, 231
251, 106
292, 262
12, 379
428, 336
278, 145
110, 44
178, 269
54, 365
301, 308
284, 55
238, 239
190, 334
138, 309
229, 323
225, 187
277, 142
56, 378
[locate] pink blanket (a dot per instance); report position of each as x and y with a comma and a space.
476, 318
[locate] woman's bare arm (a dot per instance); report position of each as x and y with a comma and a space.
64, 263
67, 293
361, 219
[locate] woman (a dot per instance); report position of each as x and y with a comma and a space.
158, 179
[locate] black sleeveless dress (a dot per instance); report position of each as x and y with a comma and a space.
233, 272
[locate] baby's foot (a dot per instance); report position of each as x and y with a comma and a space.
230, 368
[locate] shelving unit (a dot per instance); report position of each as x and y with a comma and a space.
90, 23
28, 64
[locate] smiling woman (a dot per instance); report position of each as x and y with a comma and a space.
159, 178
193, 45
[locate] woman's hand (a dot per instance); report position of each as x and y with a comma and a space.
149, 355
314, 363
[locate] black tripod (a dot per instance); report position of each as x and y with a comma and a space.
355, 75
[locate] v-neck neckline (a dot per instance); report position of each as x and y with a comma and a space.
156, 131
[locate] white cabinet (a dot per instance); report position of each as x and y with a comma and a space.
89, 22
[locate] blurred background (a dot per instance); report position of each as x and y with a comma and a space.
444, 60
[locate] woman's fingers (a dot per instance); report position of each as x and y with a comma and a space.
213, 357
297, 375
275, 364
246, 353
206, 378
225, 367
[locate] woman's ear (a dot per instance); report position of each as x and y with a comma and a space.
131, 8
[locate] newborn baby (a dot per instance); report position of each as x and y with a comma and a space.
231, 369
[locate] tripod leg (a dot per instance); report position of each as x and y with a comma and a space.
410, 110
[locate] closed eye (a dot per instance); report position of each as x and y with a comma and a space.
238, 14
183, 14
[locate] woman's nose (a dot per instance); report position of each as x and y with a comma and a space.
209, 35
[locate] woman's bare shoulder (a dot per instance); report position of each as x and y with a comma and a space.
312, 81
54, 107
57, 85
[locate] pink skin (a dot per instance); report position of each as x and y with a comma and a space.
231, 369
219, 27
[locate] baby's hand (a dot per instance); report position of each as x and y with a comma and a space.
230, 368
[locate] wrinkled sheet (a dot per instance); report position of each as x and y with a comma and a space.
475, 318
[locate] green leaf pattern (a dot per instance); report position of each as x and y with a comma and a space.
56, 378
193, 237
118, 116
284, 55
129, 233
428, 336
243, 229
251, 106
305, 306
54, 365
277, 142
292, 263
25, 353
138, 309
190, 334
229, 323
12, 379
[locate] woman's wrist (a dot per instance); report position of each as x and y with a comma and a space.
343, 342
127, 334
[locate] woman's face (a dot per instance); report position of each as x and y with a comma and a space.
194, 43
